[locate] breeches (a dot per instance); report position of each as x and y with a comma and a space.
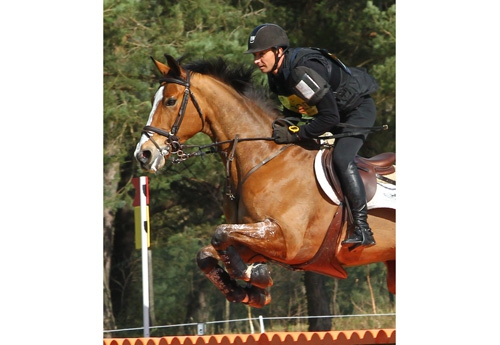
347, 148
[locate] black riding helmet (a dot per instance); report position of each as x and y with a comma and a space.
267, 36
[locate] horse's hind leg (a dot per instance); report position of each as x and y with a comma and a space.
391, 276
251, 295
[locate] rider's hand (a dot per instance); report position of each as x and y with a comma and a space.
282, 135
302, 110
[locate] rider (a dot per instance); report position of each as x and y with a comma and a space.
306, 82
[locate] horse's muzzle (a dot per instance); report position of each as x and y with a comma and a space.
150, 158
144, 157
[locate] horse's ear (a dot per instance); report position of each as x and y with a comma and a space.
164, 69
175, 67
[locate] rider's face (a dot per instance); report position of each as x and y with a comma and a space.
264, 60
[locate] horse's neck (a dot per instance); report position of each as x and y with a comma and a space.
231, 116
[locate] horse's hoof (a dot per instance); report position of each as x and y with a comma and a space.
257, 297
237, 295
260, 275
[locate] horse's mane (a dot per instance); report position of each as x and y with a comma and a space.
238, 76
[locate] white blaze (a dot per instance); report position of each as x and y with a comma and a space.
157, 100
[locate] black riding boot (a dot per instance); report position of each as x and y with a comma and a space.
354, 192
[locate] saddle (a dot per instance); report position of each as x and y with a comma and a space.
370, 169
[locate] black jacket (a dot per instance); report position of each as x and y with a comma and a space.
328, 115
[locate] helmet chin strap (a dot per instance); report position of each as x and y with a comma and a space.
276, 58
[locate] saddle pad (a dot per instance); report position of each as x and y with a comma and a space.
385, 196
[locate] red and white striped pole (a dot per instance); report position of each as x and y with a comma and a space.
142, 239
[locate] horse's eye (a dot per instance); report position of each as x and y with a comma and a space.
170, 101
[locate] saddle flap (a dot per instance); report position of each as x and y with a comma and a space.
368, 170
331, 176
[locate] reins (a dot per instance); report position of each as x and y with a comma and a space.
357, 130
173, 140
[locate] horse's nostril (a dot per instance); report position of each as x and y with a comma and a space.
144, 156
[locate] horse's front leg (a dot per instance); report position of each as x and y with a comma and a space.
208, 259
263, 237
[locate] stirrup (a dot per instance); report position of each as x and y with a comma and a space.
360, 237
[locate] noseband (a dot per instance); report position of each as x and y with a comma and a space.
172, 141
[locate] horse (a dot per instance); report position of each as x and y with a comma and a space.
275, 208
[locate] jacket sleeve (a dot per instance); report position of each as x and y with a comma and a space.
328, 114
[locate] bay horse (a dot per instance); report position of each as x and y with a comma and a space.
275, 208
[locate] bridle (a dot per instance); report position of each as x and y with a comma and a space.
173, 144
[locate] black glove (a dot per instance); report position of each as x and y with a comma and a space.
282, 135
